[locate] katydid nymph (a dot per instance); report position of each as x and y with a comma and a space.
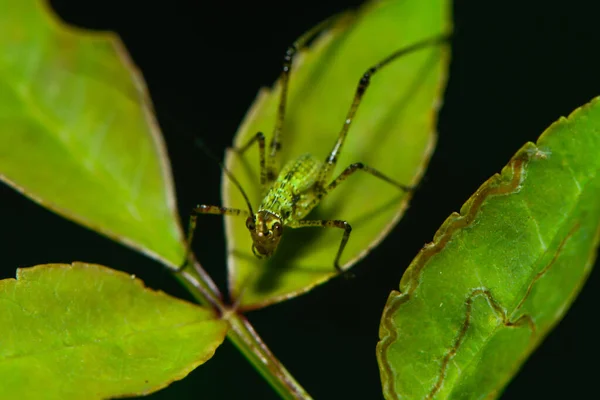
290, 193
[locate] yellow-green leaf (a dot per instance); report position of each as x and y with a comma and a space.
84, 331
77, 133
394, 131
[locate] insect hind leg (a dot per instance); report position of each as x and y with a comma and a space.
272, 163
363, 85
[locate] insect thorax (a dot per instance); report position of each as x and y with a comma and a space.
291, 194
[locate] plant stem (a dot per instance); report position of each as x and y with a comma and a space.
242, 334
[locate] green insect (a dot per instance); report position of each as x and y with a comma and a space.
292, 192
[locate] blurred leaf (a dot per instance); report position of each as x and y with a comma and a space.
77, 131
499, 275
84, 331
394, 131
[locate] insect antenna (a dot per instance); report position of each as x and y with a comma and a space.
210, 154
202, 146
197, 141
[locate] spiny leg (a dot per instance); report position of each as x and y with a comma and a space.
204, 209
328, 224
275, 144
331, 160
363, 84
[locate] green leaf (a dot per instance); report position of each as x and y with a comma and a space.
498, 276
394, 131
78, 134
84, 331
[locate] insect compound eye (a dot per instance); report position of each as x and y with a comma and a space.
277, 229
250, 223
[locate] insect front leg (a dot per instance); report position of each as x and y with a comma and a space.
328, 224
204, 209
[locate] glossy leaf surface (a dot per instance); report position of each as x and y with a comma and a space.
84, 331
497, 277
394, 131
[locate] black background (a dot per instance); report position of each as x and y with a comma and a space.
516, 67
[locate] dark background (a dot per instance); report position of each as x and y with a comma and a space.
516, 67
